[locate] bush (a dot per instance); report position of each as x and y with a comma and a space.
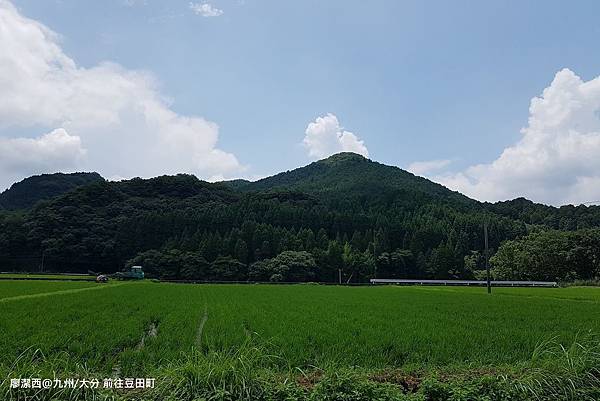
289, 266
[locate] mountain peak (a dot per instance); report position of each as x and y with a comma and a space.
347, 175
344, 157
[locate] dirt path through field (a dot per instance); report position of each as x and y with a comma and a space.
62, 292
201, 326
151, 332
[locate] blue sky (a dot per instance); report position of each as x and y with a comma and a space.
413, 80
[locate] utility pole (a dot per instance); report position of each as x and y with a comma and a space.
340, 275
487, 261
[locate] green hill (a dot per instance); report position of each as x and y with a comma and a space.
237, 184
26, 193
345, 212
346, 175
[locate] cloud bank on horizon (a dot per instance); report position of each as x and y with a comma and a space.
557, 161
104, 118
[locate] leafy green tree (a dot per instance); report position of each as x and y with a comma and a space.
549, 255
294, 266
287, 266
397, 264
473, 263
442, 263
194, 267
226, 268
241, 251
260, 271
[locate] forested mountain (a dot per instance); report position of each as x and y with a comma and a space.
26, 193
567, 217
343, 215
351, 175
237, 184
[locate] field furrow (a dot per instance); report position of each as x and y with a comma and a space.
60, 292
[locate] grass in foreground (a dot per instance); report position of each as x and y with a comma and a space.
305, 341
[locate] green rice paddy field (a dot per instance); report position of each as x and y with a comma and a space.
46, 276
245, 336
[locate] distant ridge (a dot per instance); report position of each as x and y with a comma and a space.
237, 183
28, 192
347, 211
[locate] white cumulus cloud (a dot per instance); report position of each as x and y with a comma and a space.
205, 10
428, 166
118, 115
325, 136
56, 149
557, 161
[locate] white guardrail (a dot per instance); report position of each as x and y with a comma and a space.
465, 282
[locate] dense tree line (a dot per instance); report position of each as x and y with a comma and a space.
102, 226
342, 215
566, 218
550, 255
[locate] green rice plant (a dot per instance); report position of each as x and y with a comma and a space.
243, 373
10, 289
46, 276
251, 372
32, 363
565, 373
290, 342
